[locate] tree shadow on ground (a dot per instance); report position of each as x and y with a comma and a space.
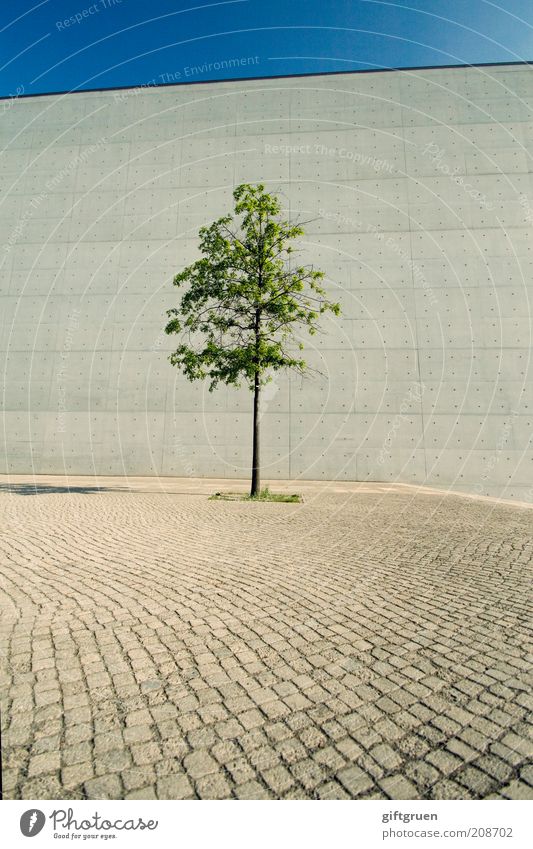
46, 489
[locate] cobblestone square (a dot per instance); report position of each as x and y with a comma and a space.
371, 642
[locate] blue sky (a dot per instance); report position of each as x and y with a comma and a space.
63, 45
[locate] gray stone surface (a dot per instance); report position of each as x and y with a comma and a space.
370, 642
418, 190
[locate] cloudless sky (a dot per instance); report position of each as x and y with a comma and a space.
133, 42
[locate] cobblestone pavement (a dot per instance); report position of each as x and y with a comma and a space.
368, 643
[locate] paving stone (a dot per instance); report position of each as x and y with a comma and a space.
114, 761
82, 752
332, 790
105, 787
517, 790
251, 719
252, 790
41, 744
386, 757
349, 748
240, 770
354, 780
136, 777
478, 783
10, 779
365, 736
215, 687
462, 750
329, 757
398, 787
252, 740
518, 744
278, 731
275, 709
278, 779
495, 767
526, 700
142, 793
446, 788
43, 787
297, 701
199, 764
263, 758
526, 774
297, 794
444, 761
44, 763
73, 776
506, 754
229, 729
291, 750
299, 721
138, 734
422, 773
202, 738
146, 753
312, 737
476, 740
108, 742
213, 787
225, 751
308, 773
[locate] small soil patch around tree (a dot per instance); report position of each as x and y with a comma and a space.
264, 495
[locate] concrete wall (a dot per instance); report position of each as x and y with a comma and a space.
419, 189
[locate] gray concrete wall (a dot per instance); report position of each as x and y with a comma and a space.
420, 190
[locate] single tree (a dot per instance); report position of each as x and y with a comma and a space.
245, 301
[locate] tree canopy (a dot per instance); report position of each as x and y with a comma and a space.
245, 297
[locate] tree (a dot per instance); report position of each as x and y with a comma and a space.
245, 301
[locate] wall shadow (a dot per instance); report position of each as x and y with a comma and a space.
47, 489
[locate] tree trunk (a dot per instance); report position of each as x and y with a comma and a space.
256, 473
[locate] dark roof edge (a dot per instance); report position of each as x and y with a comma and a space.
269, 77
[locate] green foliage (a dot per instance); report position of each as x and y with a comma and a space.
263, 495
246, 297
266, 495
